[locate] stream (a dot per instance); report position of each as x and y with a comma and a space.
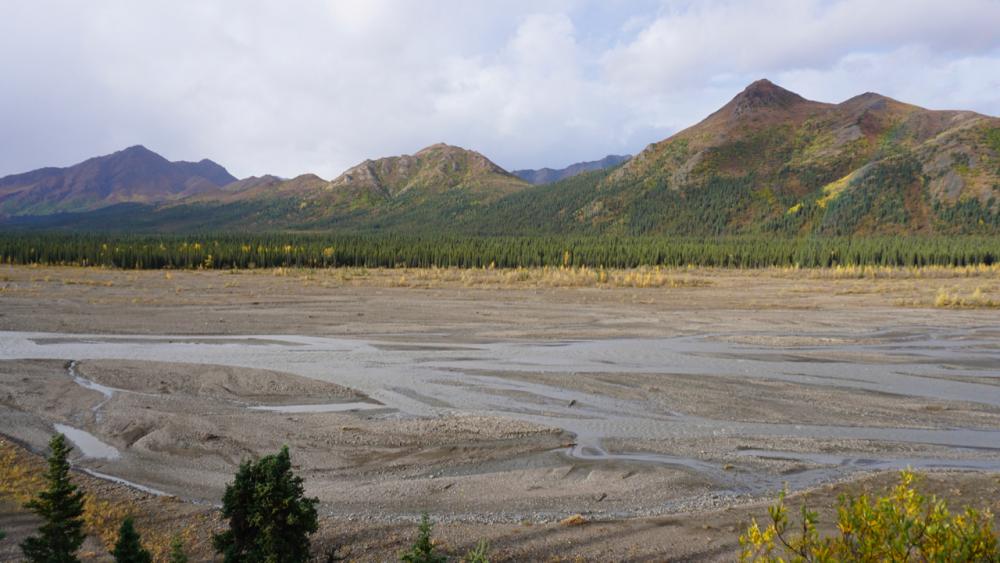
423, 380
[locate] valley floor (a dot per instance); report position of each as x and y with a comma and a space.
665, 406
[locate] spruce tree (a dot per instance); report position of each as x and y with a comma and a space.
270, 519
422, 550
61, 509
129, 548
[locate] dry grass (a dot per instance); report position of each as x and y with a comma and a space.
894, 272
574, 520
652, 277
22, 478
978, 299
568, 277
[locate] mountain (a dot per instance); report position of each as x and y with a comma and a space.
436, 169
549, 175
432, 187
409, 192
772, 161
134, 175
768, 162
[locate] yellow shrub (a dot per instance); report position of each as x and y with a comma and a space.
902, 526
978, 299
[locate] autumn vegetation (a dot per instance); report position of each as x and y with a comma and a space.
902, 526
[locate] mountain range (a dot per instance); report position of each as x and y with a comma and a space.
769, 161
549, 176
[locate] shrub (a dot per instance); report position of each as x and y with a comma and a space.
177, 554
902, 526
480, 554
128, 548
61, 508
270, 519
422, 550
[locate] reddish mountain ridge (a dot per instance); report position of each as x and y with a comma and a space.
133, 175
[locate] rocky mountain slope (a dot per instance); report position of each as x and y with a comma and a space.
773, 161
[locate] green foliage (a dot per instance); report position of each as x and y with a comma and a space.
711, 208
60, 506
177, 554
877, 196
422, 550
270, 519
993, 138
902, 526
479, 554
969, 216
390, 251
128, 548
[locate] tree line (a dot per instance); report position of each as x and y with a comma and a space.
393, 251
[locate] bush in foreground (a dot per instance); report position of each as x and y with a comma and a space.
270, 519
902, 526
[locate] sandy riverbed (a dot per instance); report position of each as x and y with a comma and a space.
490, 402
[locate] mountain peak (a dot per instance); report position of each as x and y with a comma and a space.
763, 94
442, 148
437, 146
131, 175
869, 100
137, 150
434, 169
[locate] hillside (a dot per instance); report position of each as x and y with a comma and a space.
772, 161
436, 169
548, 175
133, 175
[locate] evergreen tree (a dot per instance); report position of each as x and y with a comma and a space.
270, 519
177, 554
422, 550
129, 547
61, 509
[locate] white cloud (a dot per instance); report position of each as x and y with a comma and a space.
317, 86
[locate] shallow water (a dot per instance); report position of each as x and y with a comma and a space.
329, 407
420, 380
126, 482
88, 444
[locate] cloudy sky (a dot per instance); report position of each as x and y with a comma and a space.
291, 86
